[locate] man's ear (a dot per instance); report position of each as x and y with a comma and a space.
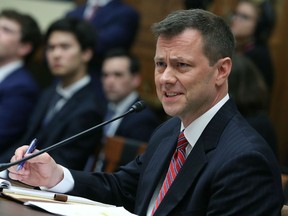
24, 49
136, 80
223, 67
87, 55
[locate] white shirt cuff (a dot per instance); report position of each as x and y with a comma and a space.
65, 185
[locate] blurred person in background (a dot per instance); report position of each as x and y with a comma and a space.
252, 24
116, 23
248, 89
121, 78
20, 37
69, 105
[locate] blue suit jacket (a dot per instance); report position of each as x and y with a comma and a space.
18, 95
230, 171
81, 111
116, 25
139, 125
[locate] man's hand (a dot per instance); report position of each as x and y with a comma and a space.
39, 171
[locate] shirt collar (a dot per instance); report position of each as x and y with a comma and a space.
8, 69
195, 129
68, 91
123, 105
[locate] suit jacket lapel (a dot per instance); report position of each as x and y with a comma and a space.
193, 165
156, 167
40, 111
190, 170
62, 114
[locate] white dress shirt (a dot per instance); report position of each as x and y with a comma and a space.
8, 69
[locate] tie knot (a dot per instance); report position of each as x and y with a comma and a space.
182, 141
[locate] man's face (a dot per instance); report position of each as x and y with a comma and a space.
244, 20
185, 82
65, 57
10, 36
118, 82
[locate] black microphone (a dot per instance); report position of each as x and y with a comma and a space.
136, 107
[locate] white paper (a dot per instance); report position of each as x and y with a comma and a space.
49, 195
67, 209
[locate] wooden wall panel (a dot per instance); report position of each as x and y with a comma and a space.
279, 103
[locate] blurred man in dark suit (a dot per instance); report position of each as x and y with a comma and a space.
69, 105
20, 37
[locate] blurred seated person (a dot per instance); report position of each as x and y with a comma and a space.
116, 24
69, 105
248, 89
252, 24
121, 78
20, 37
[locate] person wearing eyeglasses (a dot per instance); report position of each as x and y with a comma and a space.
252, 24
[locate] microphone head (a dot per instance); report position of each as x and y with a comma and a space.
138, 106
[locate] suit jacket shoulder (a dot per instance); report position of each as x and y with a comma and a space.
18, 96
81, 111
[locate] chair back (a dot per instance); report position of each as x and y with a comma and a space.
119, 151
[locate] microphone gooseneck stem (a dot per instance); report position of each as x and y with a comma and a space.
4, 166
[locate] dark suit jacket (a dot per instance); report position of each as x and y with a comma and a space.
116, 25
230, 171
139, 125
18, 95
81, 112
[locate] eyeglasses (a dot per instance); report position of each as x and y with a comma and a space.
242, 16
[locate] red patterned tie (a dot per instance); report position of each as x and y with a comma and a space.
176, 163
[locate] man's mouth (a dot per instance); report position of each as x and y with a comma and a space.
171, 94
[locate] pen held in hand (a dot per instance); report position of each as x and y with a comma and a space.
30, 149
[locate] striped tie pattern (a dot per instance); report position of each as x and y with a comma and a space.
176, 163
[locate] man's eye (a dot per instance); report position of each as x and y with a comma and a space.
160, 64
182, 65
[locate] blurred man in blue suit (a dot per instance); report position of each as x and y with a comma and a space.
116, 23
20, 36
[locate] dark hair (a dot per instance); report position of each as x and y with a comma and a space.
134, 62
247, 86
30, 31
218, 39
83, 31
266, 20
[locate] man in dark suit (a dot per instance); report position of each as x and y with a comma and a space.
121, 78
69, 48
220, 166
116, 23
20, 37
